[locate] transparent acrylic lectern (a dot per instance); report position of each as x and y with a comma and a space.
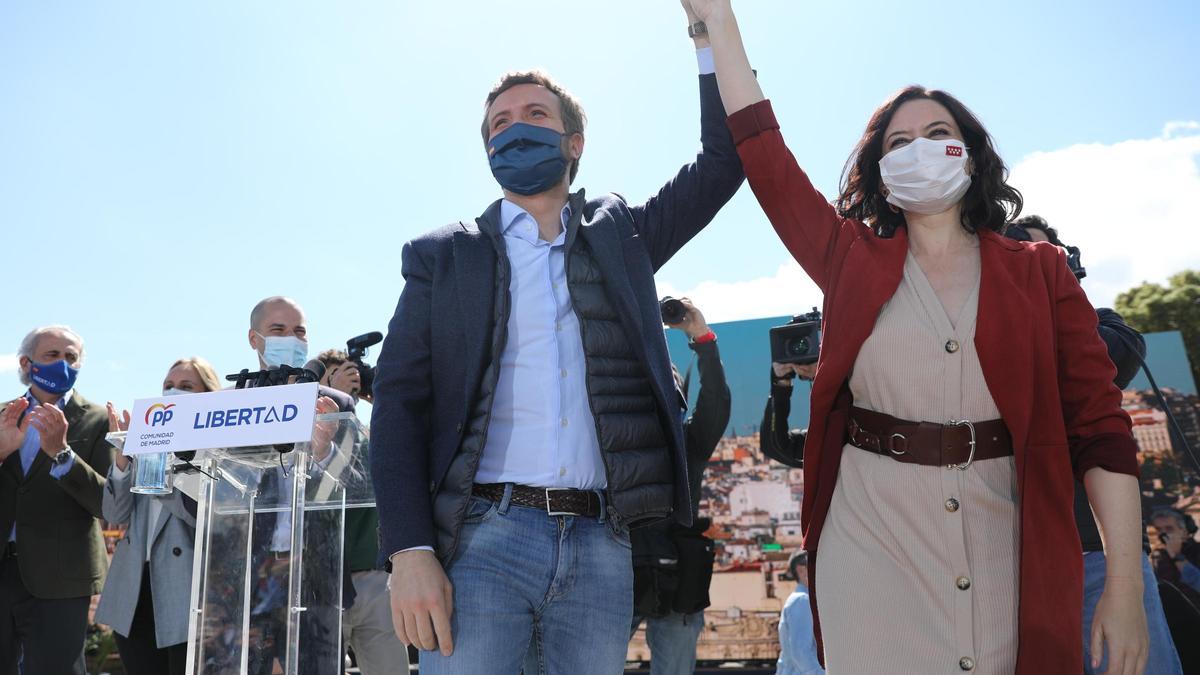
267, 583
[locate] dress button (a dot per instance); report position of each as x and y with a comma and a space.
963, 583
563, 422
951, 346
952, 505
176, 551
966, 663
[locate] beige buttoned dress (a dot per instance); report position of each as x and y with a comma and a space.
917, 565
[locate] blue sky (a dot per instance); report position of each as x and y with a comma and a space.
163, 166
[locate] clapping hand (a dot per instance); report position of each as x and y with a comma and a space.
51, 425
12, 434
323, 431
118, 424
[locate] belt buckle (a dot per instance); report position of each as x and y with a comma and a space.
971, 457
549, 512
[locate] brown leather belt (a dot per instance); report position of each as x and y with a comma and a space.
953, 445
555, 501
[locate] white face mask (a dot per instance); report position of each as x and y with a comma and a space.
926, 176
174, 392
281, 350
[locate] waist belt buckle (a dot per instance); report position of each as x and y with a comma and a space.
549, 510
971, 457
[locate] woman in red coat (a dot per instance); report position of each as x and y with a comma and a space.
961, 385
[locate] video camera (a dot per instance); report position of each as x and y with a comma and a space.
798, 341
1021, 233
356, 349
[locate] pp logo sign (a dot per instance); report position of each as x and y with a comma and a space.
954, 151
159, 414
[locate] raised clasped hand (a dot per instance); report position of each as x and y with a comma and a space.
704, 10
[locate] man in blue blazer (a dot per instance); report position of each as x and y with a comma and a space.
525, 413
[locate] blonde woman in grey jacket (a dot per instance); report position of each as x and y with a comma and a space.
146, 596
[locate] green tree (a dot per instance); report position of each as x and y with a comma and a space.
1152, 308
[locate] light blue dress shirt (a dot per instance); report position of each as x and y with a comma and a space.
797, 645
542, 432
32, 445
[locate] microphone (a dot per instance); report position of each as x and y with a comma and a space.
313, 371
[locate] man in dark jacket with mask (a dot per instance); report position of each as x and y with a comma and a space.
53, 460
672, 563
525, 413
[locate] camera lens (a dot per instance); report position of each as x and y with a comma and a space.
797, 346
673, 311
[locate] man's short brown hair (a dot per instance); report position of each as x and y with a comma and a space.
574, 118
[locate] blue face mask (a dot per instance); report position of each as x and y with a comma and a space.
527, 159
286, 350
56, 378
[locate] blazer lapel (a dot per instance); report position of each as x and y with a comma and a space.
475, 282
163, 515
607, 252
1003, 333
866, 281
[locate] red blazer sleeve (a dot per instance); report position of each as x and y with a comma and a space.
809, 226
1099, 432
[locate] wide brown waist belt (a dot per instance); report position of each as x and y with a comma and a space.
555, 501
953, 445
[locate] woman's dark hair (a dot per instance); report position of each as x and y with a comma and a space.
990, 202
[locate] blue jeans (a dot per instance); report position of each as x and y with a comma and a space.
558, 588
672, 640
1163, 659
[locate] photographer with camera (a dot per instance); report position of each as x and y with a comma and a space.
347, 372
1176, 558
341, 373
795, 347
1177, 554
367, 626
780, 442
672, 563
1126, 347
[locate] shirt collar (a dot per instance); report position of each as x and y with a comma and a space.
511, 214
62, 402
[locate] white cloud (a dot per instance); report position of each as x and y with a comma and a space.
1179, 128
8, 363
790, 291
1130, 207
